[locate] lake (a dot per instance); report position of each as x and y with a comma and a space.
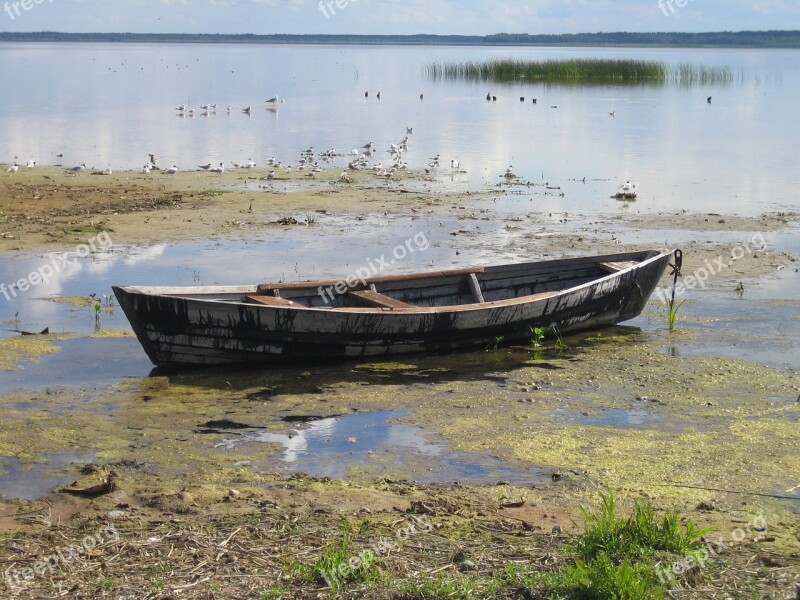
110, 105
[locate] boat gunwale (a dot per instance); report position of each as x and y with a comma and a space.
520, 300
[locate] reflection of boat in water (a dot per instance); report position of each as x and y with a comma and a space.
385, 315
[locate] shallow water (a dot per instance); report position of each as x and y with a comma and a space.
20, 479
109, 105
761, 325
332, 446
735, 156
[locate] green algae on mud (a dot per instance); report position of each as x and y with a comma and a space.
27, 348
713, 424
613, 410
113, 333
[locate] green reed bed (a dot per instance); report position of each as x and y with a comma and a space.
688, 74
588, 71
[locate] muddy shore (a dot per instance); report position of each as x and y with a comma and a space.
193, 515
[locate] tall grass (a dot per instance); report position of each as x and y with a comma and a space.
580, 71
688, 74
617, 555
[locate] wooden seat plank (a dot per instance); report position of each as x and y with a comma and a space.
379, 300
271, 300
614, 267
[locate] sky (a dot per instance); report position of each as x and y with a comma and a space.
466, 17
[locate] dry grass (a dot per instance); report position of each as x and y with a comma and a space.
260, 550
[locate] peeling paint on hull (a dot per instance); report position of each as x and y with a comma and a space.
201, 326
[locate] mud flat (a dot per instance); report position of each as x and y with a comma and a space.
206, 493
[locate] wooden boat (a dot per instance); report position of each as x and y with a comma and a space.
386, 315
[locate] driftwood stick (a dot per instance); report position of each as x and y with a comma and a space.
711, 489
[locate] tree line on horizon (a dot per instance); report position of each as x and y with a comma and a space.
743, 39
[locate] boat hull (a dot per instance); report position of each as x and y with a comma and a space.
189, 329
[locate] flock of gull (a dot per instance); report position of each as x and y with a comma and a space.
311, 161
207, 110
314, 162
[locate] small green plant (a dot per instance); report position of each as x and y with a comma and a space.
276, 593
617, 556
103, 583
441, 588
96, 307
160, 567
537, 336
497, 341
157, 584
559, 340
635, 537
601, 578
339, 564
672, 312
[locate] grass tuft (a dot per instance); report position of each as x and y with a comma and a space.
672, 312
582, 71
617, 557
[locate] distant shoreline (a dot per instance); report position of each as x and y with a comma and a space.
725, 39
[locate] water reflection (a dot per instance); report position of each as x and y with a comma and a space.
735, 155
329, 447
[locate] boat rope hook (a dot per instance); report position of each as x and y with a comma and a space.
676, 271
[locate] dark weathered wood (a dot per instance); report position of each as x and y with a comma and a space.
475, 287
379, 300
235, 324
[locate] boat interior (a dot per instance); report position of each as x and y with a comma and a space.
476, 285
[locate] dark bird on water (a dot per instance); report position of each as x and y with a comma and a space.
522, 98
421, 96
379, 96
708, 99
489, 97
366, 94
